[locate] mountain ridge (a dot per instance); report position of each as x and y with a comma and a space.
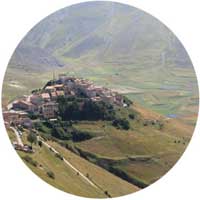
102, 32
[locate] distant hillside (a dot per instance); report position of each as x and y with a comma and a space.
114, 45
103, 32
31, 58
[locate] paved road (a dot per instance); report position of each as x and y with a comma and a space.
17, 133
70, 165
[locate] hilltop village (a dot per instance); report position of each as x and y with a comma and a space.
43, 102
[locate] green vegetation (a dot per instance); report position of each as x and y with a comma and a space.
62, 130
50, 174
139, 155
121, 124
59, 156
152, 69
67, 179
75, 109
32, 138
30, 160
109, 143
11, 135
70, 109
40, 143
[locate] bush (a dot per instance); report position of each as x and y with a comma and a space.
40, 143
29, 160
50, 174
145, 123
87, 175
59, 156
131, 116
78, 136
60, 133
121, 123
107, 194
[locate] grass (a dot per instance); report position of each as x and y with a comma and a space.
68, 180
160, 91
102, 178
65, 178
163, 147
163, 90
11, 135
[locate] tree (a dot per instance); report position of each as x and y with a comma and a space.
121, 124
50, 174
32, 138
131, 116
87, 175
107, 194
40, 143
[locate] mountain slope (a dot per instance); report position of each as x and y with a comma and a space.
31, 58
102, 32
114, 45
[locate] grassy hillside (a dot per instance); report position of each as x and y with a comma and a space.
142, 154
67, 179
126, 50
139, 154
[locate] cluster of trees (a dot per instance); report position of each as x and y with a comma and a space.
121, 123
63, 130
85, 109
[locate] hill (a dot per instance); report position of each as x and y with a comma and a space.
36, 58
108, 32
114, 45
66, 178
120, 149
83, 132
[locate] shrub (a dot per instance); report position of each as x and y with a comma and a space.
131, 116
50, 174
40, 143
29, 160
60, 133
121, 123
78, 136
59, 156
87, 175
145, 123
107, 194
